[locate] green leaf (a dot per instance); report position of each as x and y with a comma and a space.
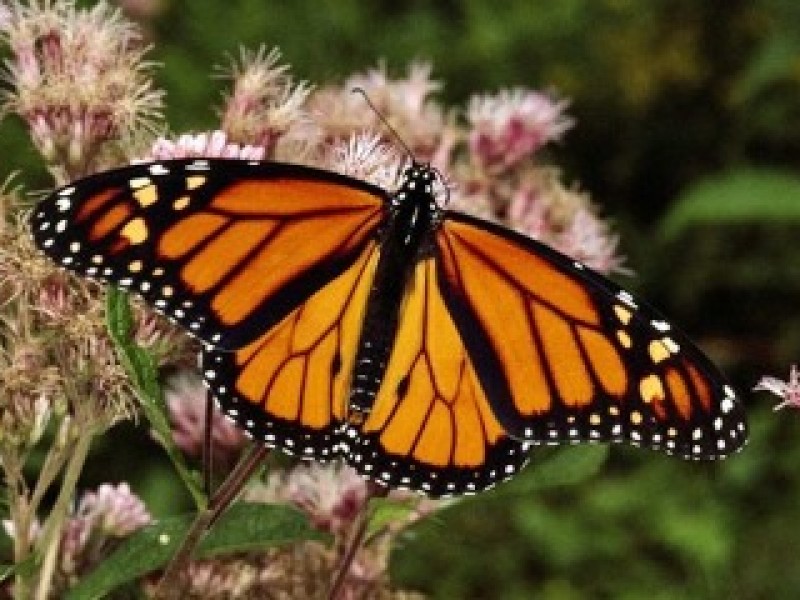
384, 511
742, 196
7, 571
142, 368
26, 568
140, 364
565, 466
243, 528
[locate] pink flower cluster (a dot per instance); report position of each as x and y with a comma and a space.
788, 391
101, 517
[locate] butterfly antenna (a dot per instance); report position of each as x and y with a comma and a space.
384, 120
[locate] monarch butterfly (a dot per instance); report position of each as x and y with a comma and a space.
427, 348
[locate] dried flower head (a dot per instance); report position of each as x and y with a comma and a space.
511, 125
788, 391
543, 208
265, 103
78, 78
406, 104
29, 391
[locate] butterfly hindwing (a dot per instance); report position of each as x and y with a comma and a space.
431, 428
225, 247
288, 388
566, 356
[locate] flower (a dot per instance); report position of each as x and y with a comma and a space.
405, 103
114, 511
265, 103
511, 125
789, 390
89, 533
78, 78
331, 494
541, 207
186, 402
212, 144
111, 512
365, 156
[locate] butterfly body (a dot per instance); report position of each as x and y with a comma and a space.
427, 348
404, 241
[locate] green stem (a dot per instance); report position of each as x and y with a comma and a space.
53, 463
50, 539
354, 543
21, 518
170, 588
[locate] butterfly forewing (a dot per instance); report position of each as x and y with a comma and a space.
227, 248
566, 356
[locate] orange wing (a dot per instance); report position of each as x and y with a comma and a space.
289, 386
566, 356
225, 247
431, 427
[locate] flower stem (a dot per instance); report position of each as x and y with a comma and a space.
355, 543
50, 539
169, 587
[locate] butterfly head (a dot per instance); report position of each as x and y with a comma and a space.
420, 183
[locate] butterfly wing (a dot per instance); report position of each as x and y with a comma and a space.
289, 386
431, 428
564, 355
225, 247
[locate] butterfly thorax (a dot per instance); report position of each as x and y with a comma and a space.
404, 240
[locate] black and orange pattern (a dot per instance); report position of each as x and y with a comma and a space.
428, 349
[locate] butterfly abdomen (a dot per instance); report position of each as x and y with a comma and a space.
402, 243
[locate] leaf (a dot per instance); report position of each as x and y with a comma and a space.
243, 528
6, 571
565, 466
141, 365
743, 196
384, 511
142, 368
27, 568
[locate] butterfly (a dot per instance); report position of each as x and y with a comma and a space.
427, 348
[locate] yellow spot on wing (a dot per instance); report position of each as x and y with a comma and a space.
135, 231
135, 266
624, 339
623, 314
146, 196
651, 389
194, 182
636, 417
181, 203
139, 182
657, 351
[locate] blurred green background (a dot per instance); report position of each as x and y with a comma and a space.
688, 136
